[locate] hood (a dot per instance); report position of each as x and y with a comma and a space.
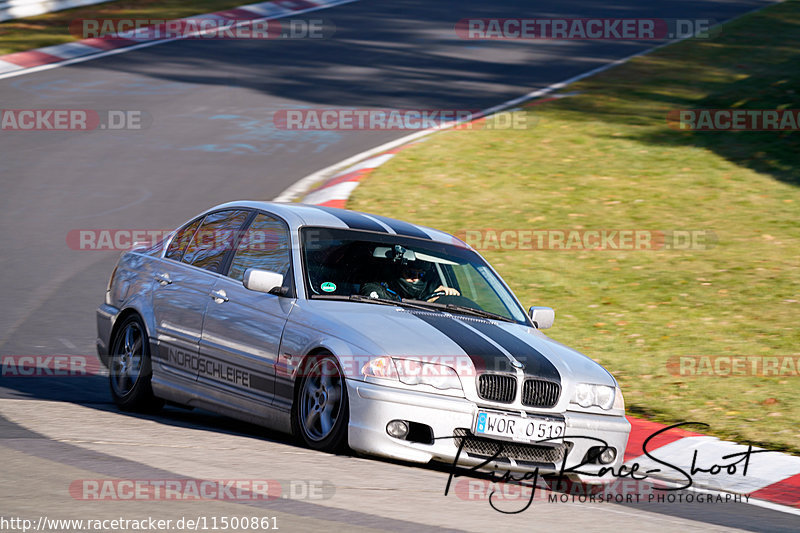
491, 345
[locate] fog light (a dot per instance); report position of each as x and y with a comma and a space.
397, 429
608, 455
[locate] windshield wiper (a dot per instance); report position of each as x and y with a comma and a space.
367, 299
468, 311
385, 301
415, 304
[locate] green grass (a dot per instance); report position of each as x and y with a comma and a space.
606, 158
53, 28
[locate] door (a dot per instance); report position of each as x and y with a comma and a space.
182, 285
243, 328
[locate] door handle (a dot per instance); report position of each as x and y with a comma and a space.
219, 296
162, 278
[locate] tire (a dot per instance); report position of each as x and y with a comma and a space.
321, 411
130, 369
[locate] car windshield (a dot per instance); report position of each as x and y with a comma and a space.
365, 266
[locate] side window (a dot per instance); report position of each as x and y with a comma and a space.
181, 240
265, 245
214, 239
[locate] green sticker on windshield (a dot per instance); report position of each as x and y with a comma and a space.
328, 286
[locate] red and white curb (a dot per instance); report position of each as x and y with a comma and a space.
336, 191
84, 50
771, 477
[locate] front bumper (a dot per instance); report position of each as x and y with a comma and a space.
373, 406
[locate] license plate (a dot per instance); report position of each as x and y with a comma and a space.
517, 428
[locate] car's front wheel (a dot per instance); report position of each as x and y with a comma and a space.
130, 370
321, 411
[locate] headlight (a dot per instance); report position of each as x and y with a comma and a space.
584, 395
412, 372
603, 396
438, 376
619, 401
380, 367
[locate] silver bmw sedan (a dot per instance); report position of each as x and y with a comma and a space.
354, 330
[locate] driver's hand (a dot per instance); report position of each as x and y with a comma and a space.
448, 291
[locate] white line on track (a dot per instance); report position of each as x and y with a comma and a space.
304, 184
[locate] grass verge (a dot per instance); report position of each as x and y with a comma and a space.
606, 158
53, 28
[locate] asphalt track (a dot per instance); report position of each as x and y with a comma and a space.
211, 140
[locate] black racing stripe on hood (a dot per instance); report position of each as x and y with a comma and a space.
352, 219
536, 364
484, 354
403, 228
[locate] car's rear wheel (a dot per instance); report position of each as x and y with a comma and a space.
321, 411
130, 369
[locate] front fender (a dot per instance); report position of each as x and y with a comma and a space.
296, 345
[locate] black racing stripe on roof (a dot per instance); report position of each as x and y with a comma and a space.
484, 354
403, 228
352, 219
536, 363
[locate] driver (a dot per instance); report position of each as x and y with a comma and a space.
413, 282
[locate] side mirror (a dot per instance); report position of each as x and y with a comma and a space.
263, 281
542, 317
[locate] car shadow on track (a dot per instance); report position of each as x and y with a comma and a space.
92, 391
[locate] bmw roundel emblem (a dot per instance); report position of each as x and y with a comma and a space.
516, 364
